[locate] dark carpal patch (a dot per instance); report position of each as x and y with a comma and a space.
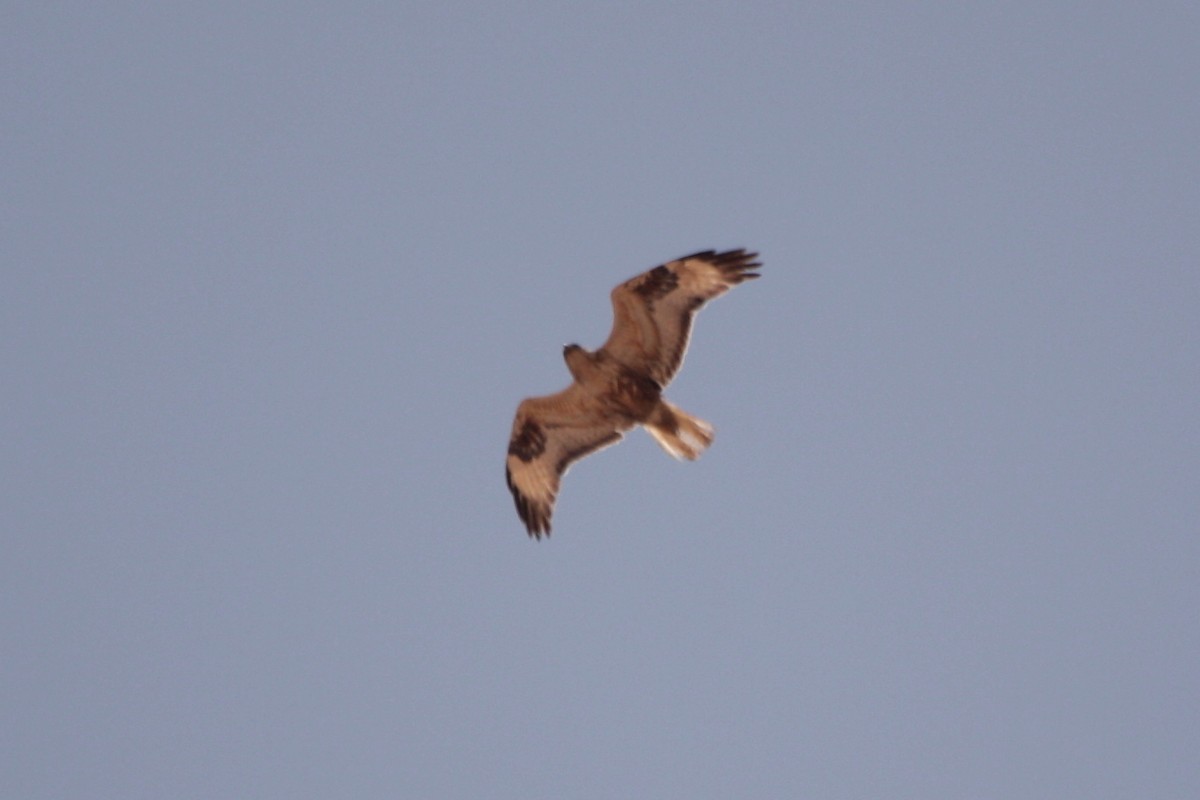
529, 442
658, 283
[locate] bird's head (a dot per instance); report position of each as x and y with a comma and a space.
577, 359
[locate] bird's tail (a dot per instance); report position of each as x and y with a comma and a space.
679, 433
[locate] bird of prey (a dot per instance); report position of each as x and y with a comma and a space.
620, 385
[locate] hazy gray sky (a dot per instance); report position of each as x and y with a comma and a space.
277, 275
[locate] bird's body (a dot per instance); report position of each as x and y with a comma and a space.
620, 385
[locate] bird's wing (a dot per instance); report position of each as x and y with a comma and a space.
652, 313
549, 434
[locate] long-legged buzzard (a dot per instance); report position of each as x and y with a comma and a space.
620, 385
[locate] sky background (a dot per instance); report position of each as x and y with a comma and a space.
276, 275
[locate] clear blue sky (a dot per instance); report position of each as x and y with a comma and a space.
276, 276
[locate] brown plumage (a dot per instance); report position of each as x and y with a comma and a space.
620, 385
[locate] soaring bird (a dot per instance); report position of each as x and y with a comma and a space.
620, 385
